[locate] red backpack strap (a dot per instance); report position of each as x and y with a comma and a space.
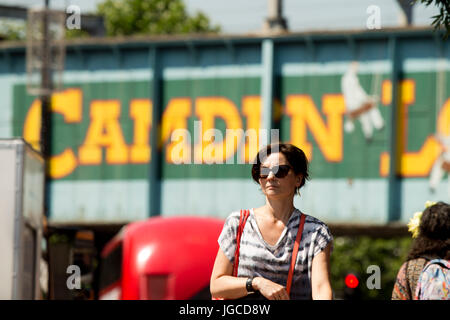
294, 253
244, 214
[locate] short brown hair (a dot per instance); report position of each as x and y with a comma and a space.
295, 157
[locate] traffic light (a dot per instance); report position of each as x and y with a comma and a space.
352, 290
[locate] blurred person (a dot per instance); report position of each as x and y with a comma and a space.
442, 163
43, 261
431, 230
269, 235
359, 104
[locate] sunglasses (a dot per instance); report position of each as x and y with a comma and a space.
279, 171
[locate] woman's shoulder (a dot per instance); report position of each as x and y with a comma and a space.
415, 264
314, 222
232, 220
234, 215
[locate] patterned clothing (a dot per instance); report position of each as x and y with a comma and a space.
434, 281
407, 277
258, 258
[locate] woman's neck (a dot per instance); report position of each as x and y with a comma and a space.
279, 209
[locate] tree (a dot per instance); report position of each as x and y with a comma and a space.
12, 29
134, 17
443, 18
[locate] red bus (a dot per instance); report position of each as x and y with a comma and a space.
160, 259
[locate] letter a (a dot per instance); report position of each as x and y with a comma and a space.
374, 20
74, 20
74, 281
374, 281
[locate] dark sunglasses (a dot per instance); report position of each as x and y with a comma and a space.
279, 171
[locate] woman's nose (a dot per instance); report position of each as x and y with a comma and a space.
271, 175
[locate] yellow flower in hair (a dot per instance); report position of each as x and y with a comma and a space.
429, 204
413, 224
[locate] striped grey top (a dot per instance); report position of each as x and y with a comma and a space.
258, 258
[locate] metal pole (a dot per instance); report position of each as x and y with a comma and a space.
406, 14
394, 179
155, 137
46, 84
267, 54
275, 21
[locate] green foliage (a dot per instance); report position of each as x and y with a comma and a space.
59, 238
151, 17
355, 254
12, 30
76, 34
443, 18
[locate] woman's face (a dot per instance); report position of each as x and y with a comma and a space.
280, 187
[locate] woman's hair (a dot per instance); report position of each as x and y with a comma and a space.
295, 157
433, 240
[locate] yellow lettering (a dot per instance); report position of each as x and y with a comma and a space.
443, 123
69, 104
104, 132
386, 92
251, 108
180, 152
175, 117
411, 164
207, 109
328, 135
32, 125
141, 113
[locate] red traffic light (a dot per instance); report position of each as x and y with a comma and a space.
351, 281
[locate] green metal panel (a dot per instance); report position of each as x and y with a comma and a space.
350, 181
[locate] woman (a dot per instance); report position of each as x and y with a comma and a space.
432, 242
269, 234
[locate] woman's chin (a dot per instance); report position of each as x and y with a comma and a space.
274, 193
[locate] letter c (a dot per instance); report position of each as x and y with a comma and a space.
237, 309
69, 104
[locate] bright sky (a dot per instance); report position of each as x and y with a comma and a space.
247, 16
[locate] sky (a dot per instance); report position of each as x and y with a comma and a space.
247, 16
